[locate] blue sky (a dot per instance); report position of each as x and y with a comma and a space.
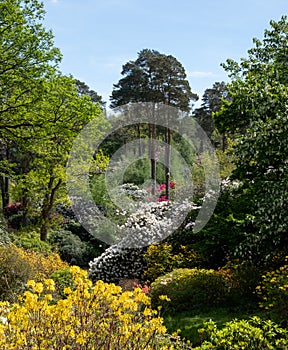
96, 37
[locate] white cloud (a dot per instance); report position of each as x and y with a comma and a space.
54, 1
199, 74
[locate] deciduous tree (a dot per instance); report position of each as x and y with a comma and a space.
257, 114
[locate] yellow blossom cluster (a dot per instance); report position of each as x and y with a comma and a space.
273, 291
43, 265
17, 266
98, 316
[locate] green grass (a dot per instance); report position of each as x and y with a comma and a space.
188, 322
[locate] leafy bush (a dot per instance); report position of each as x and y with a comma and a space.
17, 266
253, 334
243, 277
5, 237
30, 240
273, 292
219, 241
161, 259
63, 279
91, 317
15, 271
189, 289
74, 244
69, 246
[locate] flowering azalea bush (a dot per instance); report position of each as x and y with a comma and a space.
149, 224
90, 317
273, 292
17, 266
161, 189
116, 263
13, 208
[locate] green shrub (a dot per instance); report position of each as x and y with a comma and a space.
30, 239
63, 279
253, 334
189, 289
5, 237
15, 271
17, 266
69, 246
161, 259
243, 277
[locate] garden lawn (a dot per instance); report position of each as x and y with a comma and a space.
188, 322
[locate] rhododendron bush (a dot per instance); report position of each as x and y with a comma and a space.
149, 224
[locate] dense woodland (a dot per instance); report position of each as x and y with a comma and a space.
63, 286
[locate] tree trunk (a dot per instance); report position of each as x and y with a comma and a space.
167, 162
140, 152
4, 183
47, 207
153, 158
224, 142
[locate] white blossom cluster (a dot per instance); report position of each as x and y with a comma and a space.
117, 262
228, 184
151, 223
133, 191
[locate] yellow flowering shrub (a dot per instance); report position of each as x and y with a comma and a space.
17, 266
90, 317
273, 292
43, 265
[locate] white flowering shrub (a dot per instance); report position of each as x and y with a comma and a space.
133, 191
151, 223
117, 262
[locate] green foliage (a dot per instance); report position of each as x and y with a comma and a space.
27, 57
63, 279
226, 160
243, 277
188, 323
161, 259
257, 115
100, 193
83, 89
273, 293
253, 334
48, 113
212, 101
69, 246
14, 273
189, 289
153, 77
139, 171
5, 237
60, 117
218, 242
29, 239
